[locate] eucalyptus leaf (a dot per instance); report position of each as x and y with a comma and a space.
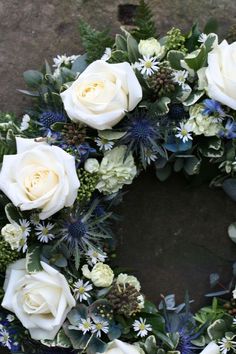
80, 64
132, 47
163, 173
111, 134
33, 78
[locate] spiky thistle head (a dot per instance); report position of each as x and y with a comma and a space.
142, 136
47, 118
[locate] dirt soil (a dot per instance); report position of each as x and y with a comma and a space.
171, 235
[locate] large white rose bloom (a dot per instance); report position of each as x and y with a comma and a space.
221, 74
41, 300
39, 176
102, 94
119, 347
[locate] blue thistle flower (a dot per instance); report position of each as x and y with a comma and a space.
229, 131
142, 135
212, 107
176, 112
47, 118
82, 229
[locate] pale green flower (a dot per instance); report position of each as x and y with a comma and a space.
202, 124
115, 170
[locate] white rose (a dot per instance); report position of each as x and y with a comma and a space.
221, 74
91, 165
39, 176
102, 94
41, 300
150, 47
119, 347
101, 275
211, 348
13, 235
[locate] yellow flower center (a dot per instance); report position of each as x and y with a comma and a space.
99, 326
148, 64
142, 326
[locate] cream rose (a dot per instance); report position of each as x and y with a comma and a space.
119, 347
39, 176
151, 47
40, 300
102, 94
221, 74
101, 275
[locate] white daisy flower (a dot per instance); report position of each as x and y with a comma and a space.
64, 60
150, 157
202, 38
100, 326
226, 345
180, 77
148, 65
104, 144
10, 318
141, 327
107, 54
43, 233
5, 338
81, 290
25, 227
184, 132
85, 325
94, 256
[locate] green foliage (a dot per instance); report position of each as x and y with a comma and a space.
95, 42
7, 255
88, 182
144, 22
175, 40
33, 264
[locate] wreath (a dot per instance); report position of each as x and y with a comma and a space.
98, 119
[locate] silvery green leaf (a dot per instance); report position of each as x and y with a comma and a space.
196, 59
33, 264
61, 341
110, 134
192, 165
163, 173
184, 93
199, 342
229, 186
232, 231
33, 78
193, 98
80, 64
132, 47
216, 330
12, 213
211, 39
174, 57
121, 43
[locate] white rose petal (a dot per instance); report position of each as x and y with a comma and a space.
119, 347
102, 94
211, 348
41, 300
151, 47
39, 176
221, 74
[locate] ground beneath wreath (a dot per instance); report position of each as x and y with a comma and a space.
171, 235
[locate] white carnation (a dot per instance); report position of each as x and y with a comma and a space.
13, 235
115, 170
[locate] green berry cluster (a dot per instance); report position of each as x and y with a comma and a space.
7, 255
175, 40
88, 182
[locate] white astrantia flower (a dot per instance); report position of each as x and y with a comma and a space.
85, 325
94, 256
102, 94
184, 132
100, 326
101, 274
81, 290
5, 338
202, 38
60, 60
226, 345
148, 65
180, 76
125, 279
202, 124
151, 47
25, 122
116, 170
43, 232
142, 327
36, 176
107, 54
104, 144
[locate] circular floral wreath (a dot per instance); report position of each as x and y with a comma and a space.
97, 120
